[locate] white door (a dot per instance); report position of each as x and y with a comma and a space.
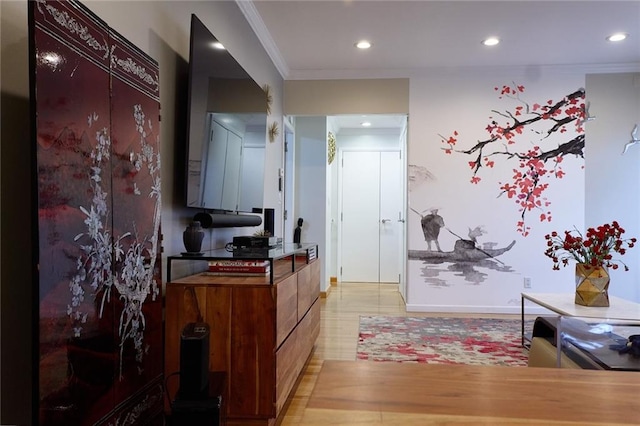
360, 215
371, 204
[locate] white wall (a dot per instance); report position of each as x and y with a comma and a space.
465, 102
311, 180
612, 179
333, 214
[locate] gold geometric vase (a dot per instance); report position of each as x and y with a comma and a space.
592, 285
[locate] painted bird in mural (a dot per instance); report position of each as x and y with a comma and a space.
634, 139
476, 232
587, 115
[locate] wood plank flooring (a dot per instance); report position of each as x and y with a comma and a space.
393, 393
340, 315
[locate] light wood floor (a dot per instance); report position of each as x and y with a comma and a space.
340, 317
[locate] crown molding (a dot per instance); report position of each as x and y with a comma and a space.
575, 69
252, 16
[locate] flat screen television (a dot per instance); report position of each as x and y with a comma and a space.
226, 129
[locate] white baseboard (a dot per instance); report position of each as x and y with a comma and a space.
515, 310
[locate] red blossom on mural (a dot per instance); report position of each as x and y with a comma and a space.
537, 164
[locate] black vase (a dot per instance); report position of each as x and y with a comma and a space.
192, 237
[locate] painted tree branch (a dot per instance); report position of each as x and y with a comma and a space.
518, 125
529, 180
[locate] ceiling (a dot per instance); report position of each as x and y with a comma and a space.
315, 39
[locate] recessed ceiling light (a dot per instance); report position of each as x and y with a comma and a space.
617, 37
491, 41
363, 44
217, 45
365, 124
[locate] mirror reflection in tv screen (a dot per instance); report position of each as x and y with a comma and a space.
227, 129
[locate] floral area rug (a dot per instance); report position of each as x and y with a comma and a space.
473, 341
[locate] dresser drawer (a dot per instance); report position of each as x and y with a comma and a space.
286, 308
308, 287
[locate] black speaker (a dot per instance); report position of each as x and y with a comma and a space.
226, 220
194, 360
269, 221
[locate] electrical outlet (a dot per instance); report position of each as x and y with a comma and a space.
527, 282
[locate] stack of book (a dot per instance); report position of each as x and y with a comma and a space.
311, 253
243, 267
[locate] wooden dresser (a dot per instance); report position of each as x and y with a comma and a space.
263, 330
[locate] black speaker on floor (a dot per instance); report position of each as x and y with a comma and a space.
269, 216
194, 360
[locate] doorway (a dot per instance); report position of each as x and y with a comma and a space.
371, 188
318, 187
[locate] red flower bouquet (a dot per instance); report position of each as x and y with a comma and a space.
595, 249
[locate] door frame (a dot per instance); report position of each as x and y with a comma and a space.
404, 259
287, 178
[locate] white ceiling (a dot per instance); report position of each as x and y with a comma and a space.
379, 121
315, 39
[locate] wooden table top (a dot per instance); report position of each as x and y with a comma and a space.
459, 394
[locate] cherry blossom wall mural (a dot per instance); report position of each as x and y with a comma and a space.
468, 232
521, 134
